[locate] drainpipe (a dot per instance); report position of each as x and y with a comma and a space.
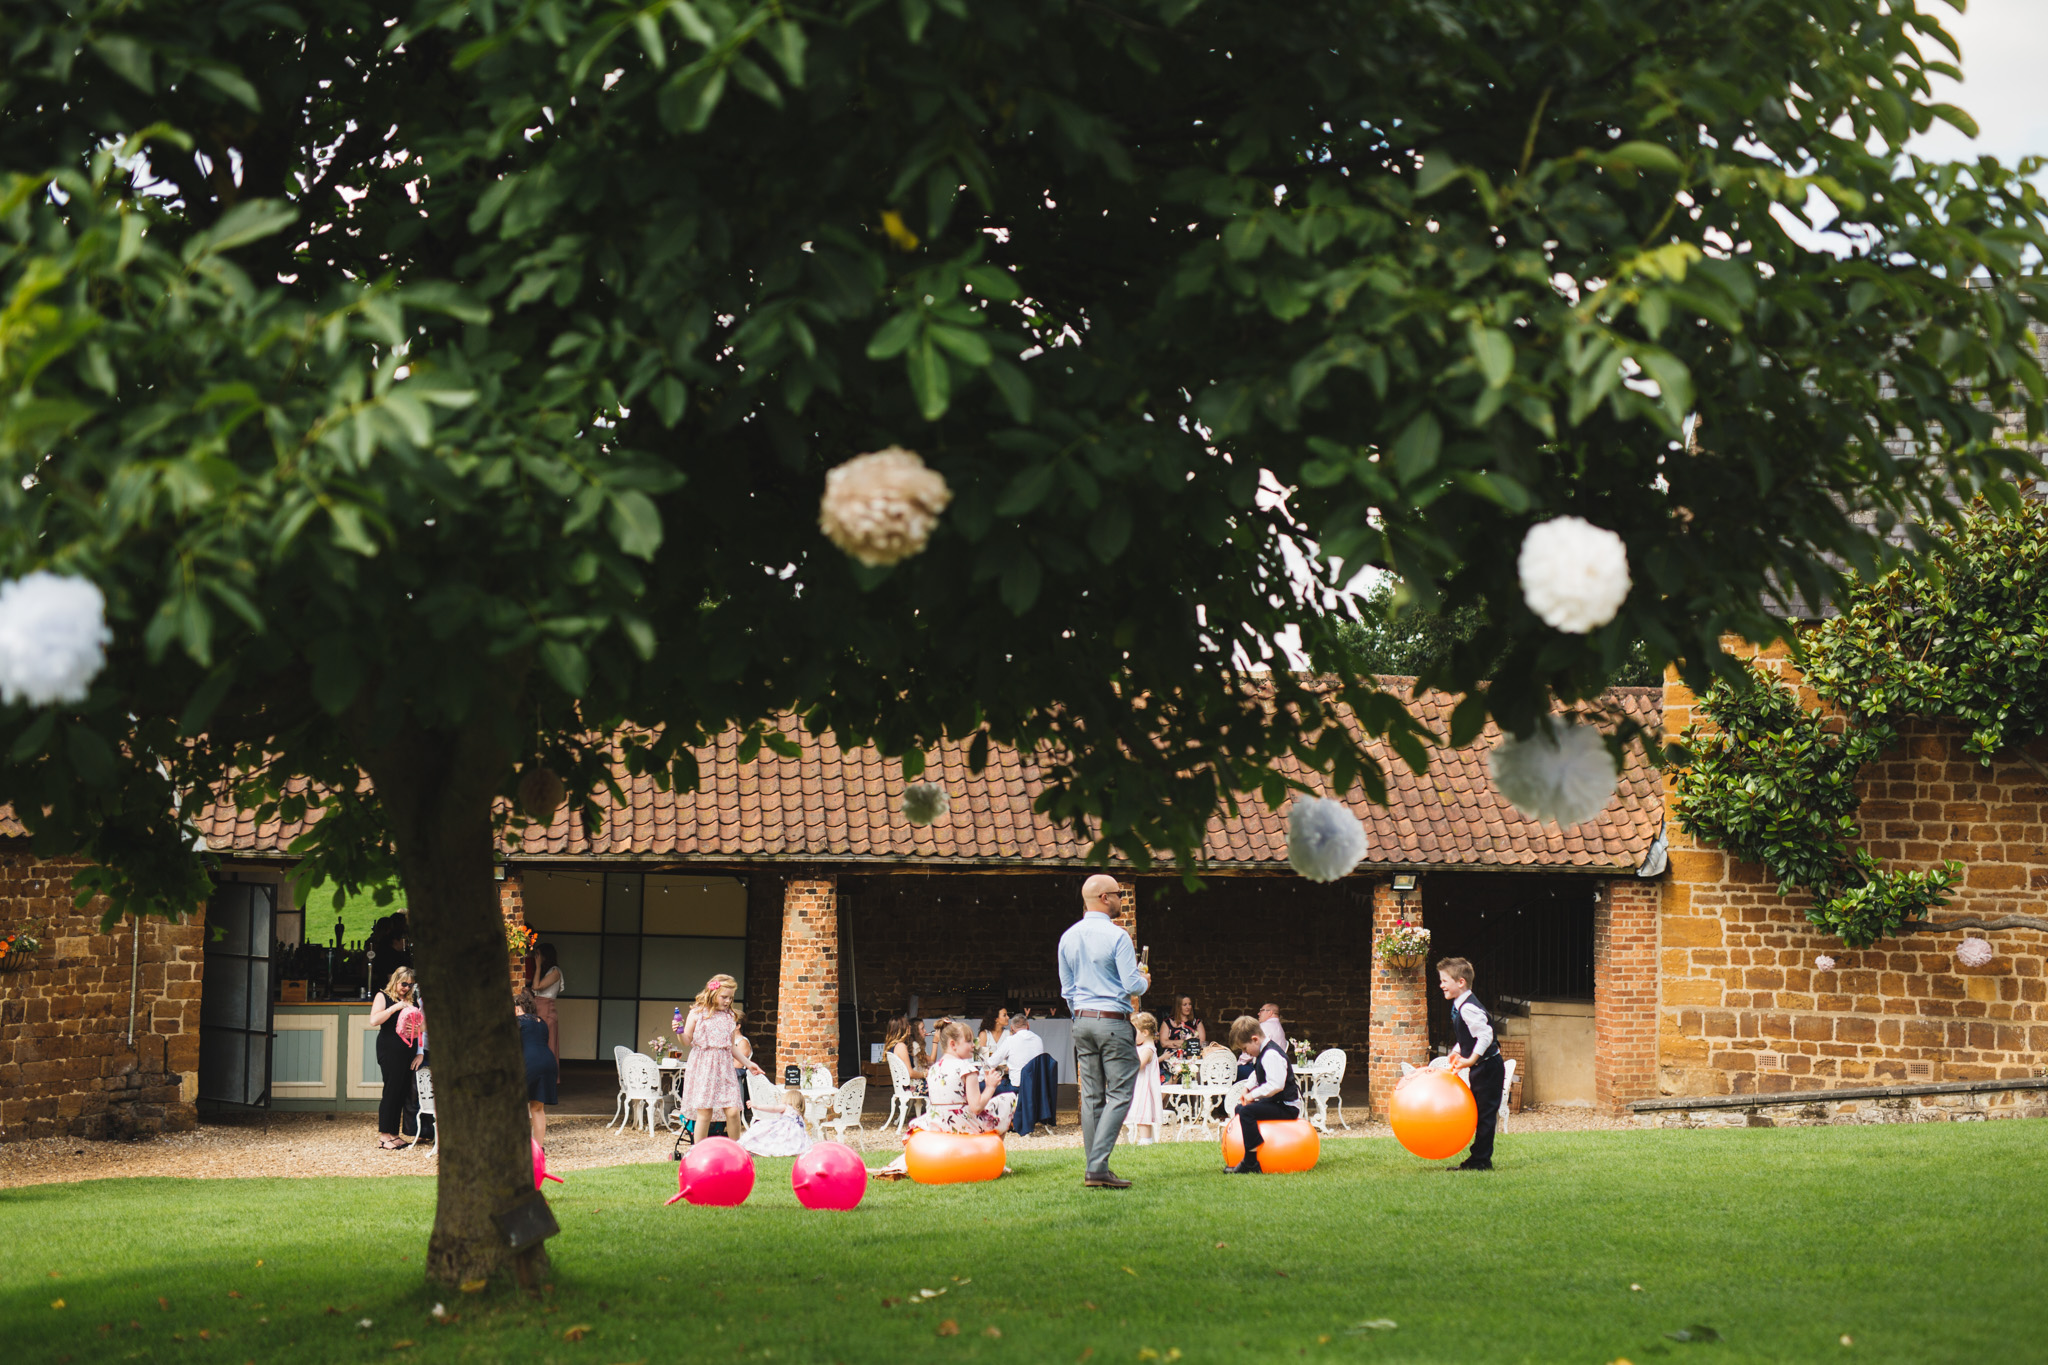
134, 980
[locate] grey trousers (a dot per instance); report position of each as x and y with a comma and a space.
1106, 1064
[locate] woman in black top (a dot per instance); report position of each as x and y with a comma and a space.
394, 1058
542, 1070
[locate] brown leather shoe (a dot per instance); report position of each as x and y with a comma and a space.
1105, 1180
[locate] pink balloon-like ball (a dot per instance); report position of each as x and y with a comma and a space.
829, 1176
717, 1172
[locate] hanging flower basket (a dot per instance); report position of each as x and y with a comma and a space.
16, 948
1402, 946
520, 939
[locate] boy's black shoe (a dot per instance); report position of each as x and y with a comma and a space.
1470, 1165
1249, 1166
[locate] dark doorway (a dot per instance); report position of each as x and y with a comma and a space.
235, 1000
1527, 937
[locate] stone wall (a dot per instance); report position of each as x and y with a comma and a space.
1743, 1007
1898, 1104
66, 1067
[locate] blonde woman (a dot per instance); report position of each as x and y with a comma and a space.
711, 1032
394, 1058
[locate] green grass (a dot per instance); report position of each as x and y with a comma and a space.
1922, 1243
358, 916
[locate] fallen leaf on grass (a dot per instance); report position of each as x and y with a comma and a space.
474, 1286
890, 1303
405, 1345
1129, 1271
1323, 1340
929, 1293
332, 1311
55, 1276
438, 1311
576, 1333
1281, 1273
1086, 1351
1221, 1245
1376, 1325
364, 1324
1635, 1289
205, 1335
991, 1331
1147, 1353
1087, 1305
259, 1262
949, 1328
956, 1279
234, 1293
1695, 1333
177, 1336
165, 1304
56, 1303
1848, 1340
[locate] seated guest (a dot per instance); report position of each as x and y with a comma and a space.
904, 1040
1018, 1047
1269, 1024
1184, 1033
1272, 1094
992, 1030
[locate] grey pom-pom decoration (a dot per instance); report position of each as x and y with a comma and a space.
924, 802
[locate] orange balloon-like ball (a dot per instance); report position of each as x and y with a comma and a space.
1434, 1115
952, 1158
1284, 1145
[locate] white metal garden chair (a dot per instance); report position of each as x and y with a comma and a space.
903, 1101
847, 1105
619, 1055
423, 1081
762, 1091
640, 1083
1326, 1087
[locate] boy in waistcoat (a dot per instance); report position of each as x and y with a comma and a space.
1477, 1053
1272, 1094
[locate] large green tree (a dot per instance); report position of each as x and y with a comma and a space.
439, 389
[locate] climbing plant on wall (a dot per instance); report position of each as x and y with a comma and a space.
1962, 638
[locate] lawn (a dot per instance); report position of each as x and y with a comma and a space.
1919, 1243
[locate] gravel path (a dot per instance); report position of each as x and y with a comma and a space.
344, 1145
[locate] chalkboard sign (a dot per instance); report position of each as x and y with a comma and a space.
793, 1075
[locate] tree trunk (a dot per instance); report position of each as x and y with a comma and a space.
437, 788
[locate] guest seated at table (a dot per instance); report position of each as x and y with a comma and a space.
1018, 1047
904, 1039
992, 1030
1269, 1024
1184, 1032
963, 1100
778, 1129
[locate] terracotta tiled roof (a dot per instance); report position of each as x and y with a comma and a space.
834, 805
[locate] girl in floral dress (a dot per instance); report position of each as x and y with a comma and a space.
711, 1080
962, 1099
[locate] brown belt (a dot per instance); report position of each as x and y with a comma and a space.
1102, 1014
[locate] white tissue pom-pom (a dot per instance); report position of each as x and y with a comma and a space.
1324, 839
1563, 773
53, 638
1973, 952
881, 507
1574, 574
924, 802
1823, 963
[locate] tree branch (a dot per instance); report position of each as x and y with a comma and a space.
1976, 922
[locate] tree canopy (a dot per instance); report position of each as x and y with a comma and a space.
442, 391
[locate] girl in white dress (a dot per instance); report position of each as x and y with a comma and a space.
778, 1130
1146, 1103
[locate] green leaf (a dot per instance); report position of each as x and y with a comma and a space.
349, 530
128, 59
1645, 156
639, 634
931, 380
993, 282
894, 336
1015, 387
1021, 582
670, 396
970, 346
1438, 170
233, 84
1495, 352
1027, 490
567, 664
1674, 380
786, 43
443, 296
337, 674
916, 14
248, 221
1109, 531
92, 758
636, 524
1416, 448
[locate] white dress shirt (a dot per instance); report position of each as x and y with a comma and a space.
1270, 1077
1018, 1047
1271, 1028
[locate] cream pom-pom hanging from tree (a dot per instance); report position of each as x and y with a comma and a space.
1562, 773
1324, 839
53, 638
1574, 574
1974, 952
924, 802
881, 507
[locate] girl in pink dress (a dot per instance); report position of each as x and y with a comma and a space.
710, 1080
1145, 1099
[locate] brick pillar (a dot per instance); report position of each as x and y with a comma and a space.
1625, 964
512, 905
1126, 918
1398, 1028
807, 989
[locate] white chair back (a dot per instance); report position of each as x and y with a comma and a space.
847, 1104
639, 1083
423, 1082
1219, 1067
903, 1101
1507, 1092
762, 1091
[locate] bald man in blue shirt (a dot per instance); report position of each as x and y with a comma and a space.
1099, 973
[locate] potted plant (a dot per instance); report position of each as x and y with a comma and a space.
16, 948
1402, 945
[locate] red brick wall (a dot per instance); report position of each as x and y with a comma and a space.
1625, 992
1400, 1003
807, 988
512, 905
1742, 1008
66, 1068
